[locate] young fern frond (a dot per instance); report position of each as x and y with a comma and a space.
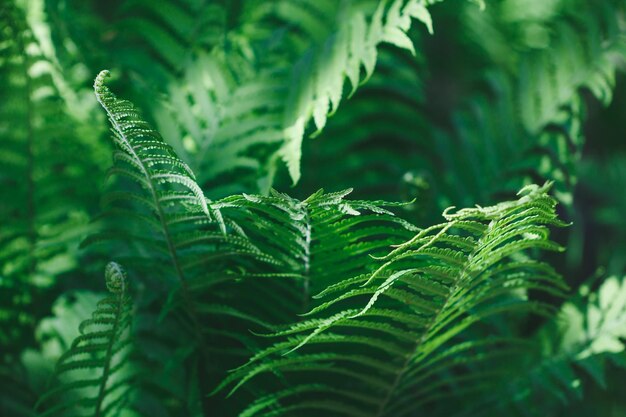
172, 197
93, 378
401, 316
156, 214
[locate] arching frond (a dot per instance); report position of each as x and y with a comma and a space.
208, 252
264, 104
422, 295
93, 377
156, 214
318, 77
380, 147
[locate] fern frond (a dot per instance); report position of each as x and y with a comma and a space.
39, 161
225, 280
543, 84
93, 376
422, 295
379, 153
318, 77
158, 214
260, 109
143, 157
585, 336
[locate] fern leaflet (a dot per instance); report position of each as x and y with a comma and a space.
93, 376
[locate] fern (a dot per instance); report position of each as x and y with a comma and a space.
93, 375
423, 294
40, 232
318, 83
171, 222
582, 339
379, 147
174, 225
543, 86
407, 320
325, 229
252, 64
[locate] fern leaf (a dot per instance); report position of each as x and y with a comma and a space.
161, 214
318, 78
544, 86
92, 377
41, 158
430, 310
585, 336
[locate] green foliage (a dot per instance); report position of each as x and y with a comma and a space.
92, 378
584, 338
39, 162
400, 317
347, 294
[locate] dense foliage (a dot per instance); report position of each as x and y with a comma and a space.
312, 207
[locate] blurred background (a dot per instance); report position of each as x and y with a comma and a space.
502, 94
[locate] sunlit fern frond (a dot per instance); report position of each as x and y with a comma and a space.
318, 76
294, 76
423, 294
156, 214
93, 378
374, 148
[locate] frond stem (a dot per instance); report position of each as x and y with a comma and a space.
187, 298
107, 360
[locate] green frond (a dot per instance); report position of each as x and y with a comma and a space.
318, 77
529, 124
209, 251
311, 235
318, 302
39, 161
158, 214
478, 256
379, 154
93, 378
583, 338
253, 110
